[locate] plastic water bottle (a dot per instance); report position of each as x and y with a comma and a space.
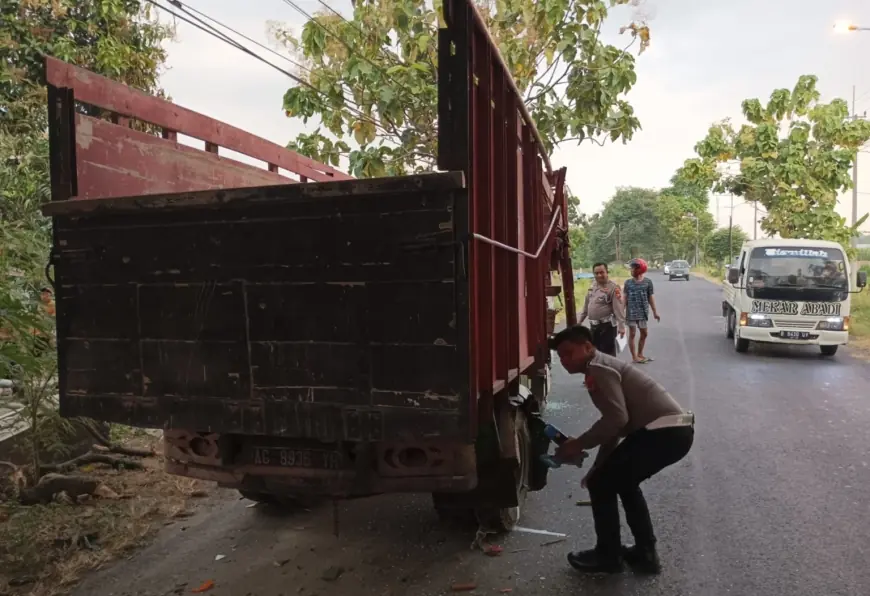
559, 438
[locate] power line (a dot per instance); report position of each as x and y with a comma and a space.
341, 40
178, 4
210, 30
393, 58
190, 9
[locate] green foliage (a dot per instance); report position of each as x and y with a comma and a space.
577, 241
795, 155
648, 223
678, 231
116, 38
372, 78
716, 246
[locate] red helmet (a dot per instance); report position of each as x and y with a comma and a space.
640, 264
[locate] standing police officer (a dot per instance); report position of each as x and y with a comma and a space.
605, 310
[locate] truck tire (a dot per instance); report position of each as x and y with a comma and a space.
730, 319
740, 345
687, 278
670, 278
504, 520
828, 350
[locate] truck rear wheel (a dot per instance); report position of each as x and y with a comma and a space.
828, 350
729, 324
504, 520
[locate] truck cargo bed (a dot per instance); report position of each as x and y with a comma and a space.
331, 311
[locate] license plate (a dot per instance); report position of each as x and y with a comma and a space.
318, 459
794, 334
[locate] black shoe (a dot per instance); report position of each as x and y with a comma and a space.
592, 561
642, 559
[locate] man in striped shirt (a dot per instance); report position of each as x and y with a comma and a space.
639, 299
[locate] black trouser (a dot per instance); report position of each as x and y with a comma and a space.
642, 454
604, 338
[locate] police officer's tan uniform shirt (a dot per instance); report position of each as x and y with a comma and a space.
605, 301
627, 398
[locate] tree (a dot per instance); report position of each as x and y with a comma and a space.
370, 80
575, 217
629, 220
577, 240
716, 245
116, 38
795, 155
678, 232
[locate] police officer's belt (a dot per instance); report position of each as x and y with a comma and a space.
600, 321
673, 420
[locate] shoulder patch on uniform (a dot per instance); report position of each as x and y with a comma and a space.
607, 369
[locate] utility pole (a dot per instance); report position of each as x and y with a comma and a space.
717, 209
618, 260
755, 227
854, 175
731, 229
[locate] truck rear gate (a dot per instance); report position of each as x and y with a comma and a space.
389, 318
327, 311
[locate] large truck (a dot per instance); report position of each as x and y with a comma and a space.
789, 291
298, 332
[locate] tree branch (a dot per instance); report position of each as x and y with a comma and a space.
114, 447
119, 463
550, 85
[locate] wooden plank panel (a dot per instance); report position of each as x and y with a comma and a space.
93, 89
255, 317
192, 312
412, 313
376, 312
391, 195
102, 366
325, 422
422, 369
502, 201
523, 224
342, 396
306, 364
98, 312
114, 161
513, 213
387, 247
216, 369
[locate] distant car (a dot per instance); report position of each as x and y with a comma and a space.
679, 269
667, 268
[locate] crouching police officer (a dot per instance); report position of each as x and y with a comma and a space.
605, 310
642, 430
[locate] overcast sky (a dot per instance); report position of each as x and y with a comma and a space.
705, 58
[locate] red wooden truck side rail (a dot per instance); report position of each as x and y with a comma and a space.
516, 200
102, 159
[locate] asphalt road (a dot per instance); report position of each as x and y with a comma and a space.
774, 499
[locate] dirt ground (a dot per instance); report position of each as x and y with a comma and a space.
45, 549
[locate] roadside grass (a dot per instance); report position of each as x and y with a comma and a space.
45, 549
617, 273
859, 329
